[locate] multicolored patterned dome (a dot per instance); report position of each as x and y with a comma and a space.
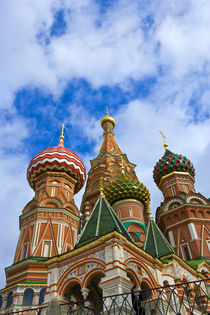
127, 188
172, 162
57, 159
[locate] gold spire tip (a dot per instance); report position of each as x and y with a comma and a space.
165, 144
62, 131
101, 188
149, 212
122, 166
107, 118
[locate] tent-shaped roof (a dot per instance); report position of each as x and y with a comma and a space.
102, 220
155, 243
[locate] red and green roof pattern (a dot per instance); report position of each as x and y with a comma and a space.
127, 188
172, 162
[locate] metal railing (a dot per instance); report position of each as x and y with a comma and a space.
183, 298
190, 298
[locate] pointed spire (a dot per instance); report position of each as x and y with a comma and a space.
155, 243
102, 221
149, 213
62, 135
109, 142
165, 144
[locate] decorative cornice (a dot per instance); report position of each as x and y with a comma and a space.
101, 239
45, 209
127, 200
55, 174
175, 173
29, 284
196, 273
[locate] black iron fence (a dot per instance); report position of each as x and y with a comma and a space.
190, 298
183, 298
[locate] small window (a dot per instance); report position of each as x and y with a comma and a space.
41, 296
53, 192
1, 301
46, 251
9, 300
173, 191
28, 297
25, 250
67, 196
186, 253
130, 212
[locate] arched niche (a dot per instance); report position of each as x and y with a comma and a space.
73, 293
95, 292
28, 297
145, 291
41, 295
9, 300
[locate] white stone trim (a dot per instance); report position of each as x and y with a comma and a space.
173, 201
196, 197
193, 232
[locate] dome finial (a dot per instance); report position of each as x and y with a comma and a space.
149, 212
62, 136
101, 188
164, 140
108, 119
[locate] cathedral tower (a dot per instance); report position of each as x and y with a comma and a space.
49, 222
128, 197
184, 215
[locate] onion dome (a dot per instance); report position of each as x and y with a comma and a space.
171, 162
106, 119
127, 188
57, 159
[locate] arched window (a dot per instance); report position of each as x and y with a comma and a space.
1, 301
41, 296
9, 300
145, 291
28, 297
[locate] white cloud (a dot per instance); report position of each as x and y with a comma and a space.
14, 189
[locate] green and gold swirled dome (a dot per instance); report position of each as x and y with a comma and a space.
127, 188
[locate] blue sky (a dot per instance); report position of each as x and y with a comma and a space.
148, 61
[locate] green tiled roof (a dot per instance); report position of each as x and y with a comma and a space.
102, 220
196, 262
155, 242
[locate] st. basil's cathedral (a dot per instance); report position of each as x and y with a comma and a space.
112, 244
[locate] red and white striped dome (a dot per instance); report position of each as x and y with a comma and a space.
57, 159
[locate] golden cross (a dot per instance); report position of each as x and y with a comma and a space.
101, 188
164, 140
63, 127
107, 111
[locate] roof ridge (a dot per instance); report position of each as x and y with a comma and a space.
102, 220
156, 243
